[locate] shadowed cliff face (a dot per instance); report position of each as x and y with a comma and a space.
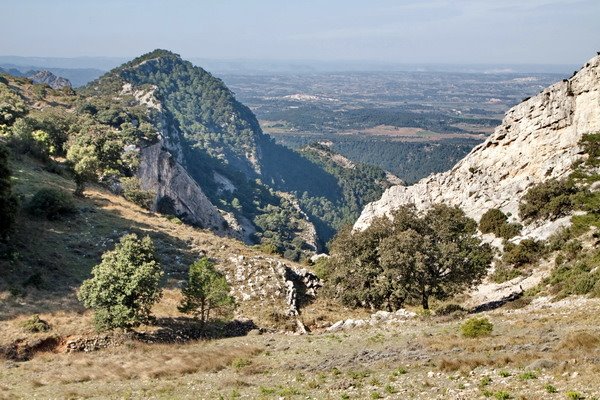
177, 193
537, 140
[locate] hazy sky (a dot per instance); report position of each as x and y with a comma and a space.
402, 31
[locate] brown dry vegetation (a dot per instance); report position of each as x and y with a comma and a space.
538, 345
60, 255
425, 358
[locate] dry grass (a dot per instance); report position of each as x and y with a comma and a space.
467, 364
581, 340
138, 361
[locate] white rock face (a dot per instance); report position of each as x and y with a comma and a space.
538, 140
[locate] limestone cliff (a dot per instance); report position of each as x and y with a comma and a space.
537, 140
48, 78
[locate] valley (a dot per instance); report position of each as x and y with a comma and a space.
426, 121
157, 243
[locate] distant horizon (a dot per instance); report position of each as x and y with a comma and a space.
105, 63
431, 32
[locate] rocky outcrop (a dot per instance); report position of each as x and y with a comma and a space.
163, 171
380, 317
48, 78
537, 140
258, 278
177, 193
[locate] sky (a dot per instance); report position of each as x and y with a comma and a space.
400, 31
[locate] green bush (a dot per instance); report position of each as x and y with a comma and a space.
491, 220
12, 106
134, 193
476, 327
504, 273
206, 291
321, 268
451, 309
576, 275
496, 222
508, 230
549, 200
527, 251
267, 248
51, 204
125, 285
34, 324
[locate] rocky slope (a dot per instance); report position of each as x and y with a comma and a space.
48, 78
537, 140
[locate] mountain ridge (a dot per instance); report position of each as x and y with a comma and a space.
537, 140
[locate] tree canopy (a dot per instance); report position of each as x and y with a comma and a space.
125, 285
409, 257
206, 292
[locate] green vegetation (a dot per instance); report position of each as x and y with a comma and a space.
496, 222
575, 274
51, 203
34, 324
573, 395
550, 388
407, 259
502, 395
8, 201
476, 327
359, 184
134, 193
206, 291
408, 161
124, 285
526, 252
527, 375
12, 107
549, 200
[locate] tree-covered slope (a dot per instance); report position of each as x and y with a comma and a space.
172, 136
216, 134
201, 106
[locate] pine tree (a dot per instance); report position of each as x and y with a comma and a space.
207, 291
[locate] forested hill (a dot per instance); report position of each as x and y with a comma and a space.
174, 138
201, 106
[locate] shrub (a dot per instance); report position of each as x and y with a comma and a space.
268, 248
134, 193
550, 388
124, 285
527, 375
450, 309
206, 291
476, 327
502, 395
576, 276
12, 106
509, 230
504, 273
34, 324
526, 252
549, 200
51, 204
573, 395
321, 268
492, 220
8, 201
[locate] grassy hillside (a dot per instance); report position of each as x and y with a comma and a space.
46, 261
